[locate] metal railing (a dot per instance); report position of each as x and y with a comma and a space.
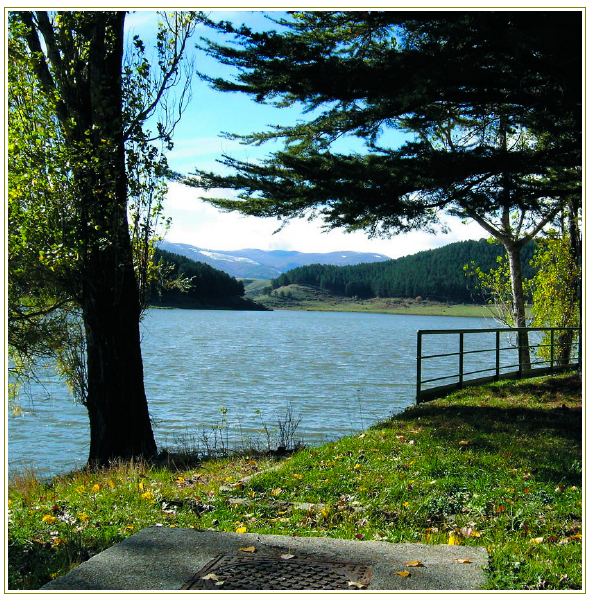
473, 363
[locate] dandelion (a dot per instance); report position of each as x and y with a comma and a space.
96, 488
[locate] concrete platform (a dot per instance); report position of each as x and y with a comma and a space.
163, 558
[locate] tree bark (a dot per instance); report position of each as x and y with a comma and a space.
519, 318
86, 57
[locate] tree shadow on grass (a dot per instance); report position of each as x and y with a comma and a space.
544, 439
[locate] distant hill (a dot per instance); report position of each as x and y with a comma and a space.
267, 264
210, 287
431, 274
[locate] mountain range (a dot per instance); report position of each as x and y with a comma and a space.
267, 264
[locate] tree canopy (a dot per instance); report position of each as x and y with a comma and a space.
85, 190
467, 78
487, 106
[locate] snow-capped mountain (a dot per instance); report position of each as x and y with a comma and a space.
267, 264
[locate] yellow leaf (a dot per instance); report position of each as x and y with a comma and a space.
111, 483
356, 584
287, 556
324, 512
250, 549
463, 443
454, 540
48, 518
141, 486
537, 540
463, 560
96, 488
402, 573
276, 491
415, 563
251, 494
241, 530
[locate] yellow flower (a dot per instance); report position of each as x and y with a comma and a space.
148, 496
83, 516
96, 488
48, 518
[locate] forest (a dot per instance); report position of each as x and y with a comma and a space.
206, 287
432, 274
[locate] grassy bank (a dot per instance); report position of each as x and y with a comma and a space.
301, 297
498, 466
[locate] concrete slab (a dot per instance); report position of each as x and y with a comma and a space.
163, 558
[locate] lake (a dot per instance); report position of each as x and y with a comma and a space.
231, 374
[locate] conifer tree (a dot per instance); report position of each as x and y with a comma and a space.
487, 105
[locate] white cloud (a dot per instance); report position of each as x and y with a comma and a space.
198, 223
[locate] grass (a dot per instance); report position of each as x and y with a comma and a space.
301, 297
498, 466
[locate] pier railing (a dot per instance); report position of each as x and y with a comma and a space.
466, 357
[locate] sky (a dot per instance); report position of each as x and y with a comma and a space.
198, 144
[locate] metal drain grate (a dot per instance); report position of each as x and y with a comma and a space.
275, 573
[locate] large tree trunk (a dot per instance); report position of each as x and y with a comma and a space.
117, 406
519, 319
120, 424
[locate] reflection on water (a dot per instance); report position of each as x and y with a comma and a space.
340, 372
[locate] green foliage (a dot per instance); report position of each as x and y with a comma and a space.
557, 293
426, 94
201, 282
66, 201
432, 274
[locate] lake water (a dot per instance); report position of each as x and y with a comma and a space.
213, 372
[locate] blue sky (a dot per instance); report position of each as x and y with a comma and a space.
197, 144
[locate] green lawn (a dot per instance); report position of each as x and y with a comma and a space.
498, 466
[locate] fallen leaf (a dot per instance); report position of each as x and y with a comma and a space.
560, 488
402, 573
287, 556
249, 549
359, 536
356, 584
415, 563
463, 443
241, 530
537, 540
276, 491
453, 540
463, 560
211, 576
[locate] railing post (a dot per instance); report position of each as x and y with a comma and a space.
419, 354
498, 356
552, 350
461, 382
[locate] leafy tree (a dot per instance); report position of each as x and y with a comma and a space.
557, 286
84, 187
488, 104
